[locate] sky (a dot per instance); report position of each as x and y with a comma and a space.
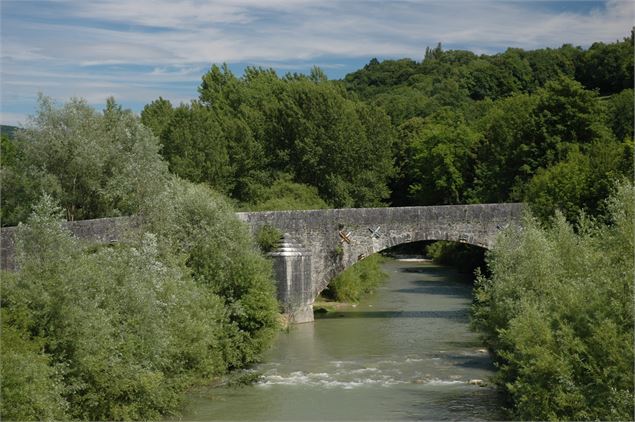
138, 50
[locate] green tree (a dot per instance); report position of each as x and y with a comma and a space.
157, 116
484, 79
567, 114
607, 67
620, 114
96, 164
548, 64
441, 160
195, 146
305, 127
562, 187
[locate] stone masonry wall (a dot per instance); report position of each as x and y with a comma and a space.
319, 230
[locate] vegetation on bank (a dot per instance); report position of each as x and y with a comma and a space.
466, 258
557, 310
361, 279
119, 332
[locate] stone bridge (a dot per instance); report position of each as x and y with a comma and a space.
319, 244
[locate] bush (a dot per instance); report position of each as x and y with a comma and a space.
360, 279
285, 194
31, 386
268, 238
467, 258
557, 310
122, 331
219, 251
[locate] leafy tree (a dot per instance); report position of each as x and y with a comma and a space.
607, 67
439, 170
195, 146
405, 102
305, 127
524, 133
562, 187
548, 64
567, 114
96, 164
220, 89
484, 79
378, 77
620, 114
433, 54
157, 116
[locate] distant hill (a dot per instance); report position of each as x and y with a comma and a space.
8, 130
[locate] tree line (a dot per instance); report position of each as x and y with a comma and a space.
551, 127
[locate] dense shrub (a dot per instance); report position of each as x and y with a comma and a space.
122, 331
220, 254
31, 385
466, 258
268, 238
558, 312
360, 279
284, 194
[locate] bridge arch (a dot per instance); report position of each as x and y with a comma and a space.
319, 244
390, 243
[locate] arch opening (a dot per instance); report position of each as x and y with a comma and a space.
464, 257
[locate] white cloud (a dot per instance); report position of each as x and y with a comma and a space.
242, 30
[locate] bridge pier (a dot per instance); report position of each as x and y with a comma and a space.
292, 271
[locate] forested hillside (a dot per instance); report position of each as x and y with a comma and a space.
552, 127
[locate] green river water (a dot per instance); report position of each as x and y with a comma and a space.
404, 353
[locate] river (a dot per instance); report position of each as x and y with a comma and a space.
403, 353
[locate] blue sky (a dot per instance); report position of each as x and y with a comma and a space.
138, 50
